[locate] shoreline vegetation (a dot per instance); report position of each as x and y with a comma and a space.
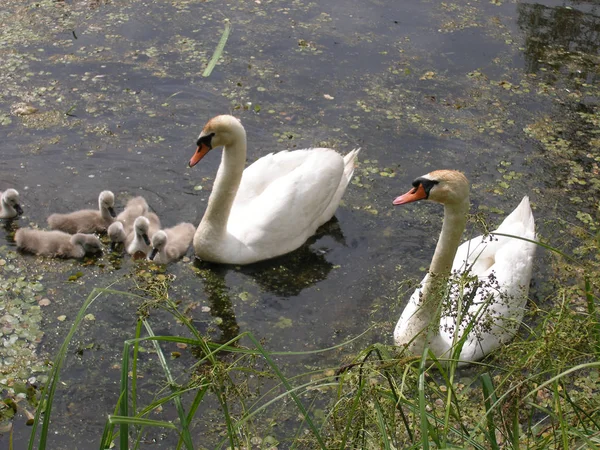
538, 391
537, 125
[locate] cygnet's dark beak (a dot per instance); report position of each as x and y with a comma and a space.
111, 211
19, 209
146, 239
153, 254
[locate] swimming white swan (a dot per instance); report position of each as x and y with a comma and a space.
144, 228
273, 206
9, 204
495, 296
172, 243
57, 243
87, 220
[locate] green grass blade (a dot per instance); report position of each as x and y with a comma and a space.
124, 398
351, 413
289, 388
140, 421
489, 398
593, 312
424, 423
136, 349
48, 394
194, 407
382, 425
219, 50
185, 432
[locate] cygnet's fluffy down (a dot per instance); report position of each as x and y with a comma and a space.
116, 234
172, 243
9, 204
87, 220
135, 207
144, 228
57, 243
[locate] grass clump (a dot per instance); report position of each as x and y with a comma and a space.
540, 391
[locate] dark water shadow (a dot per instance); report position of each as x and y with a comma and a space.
284, 276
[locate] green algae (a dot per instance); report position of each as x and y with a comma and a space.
489, 115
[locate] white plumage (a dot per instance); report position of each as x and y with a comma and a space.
273, 206
494, 301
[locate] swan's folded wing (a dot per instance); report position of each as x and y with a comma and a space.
291, 190
261, 174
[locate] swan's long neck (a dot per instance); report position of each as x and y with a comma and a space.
455, 218
225, 188
105, 213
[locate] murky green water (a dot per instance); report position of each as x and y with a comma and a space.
505, 91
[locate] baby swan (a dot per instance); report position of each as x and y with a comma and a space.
9, 204
57, 243
116, 234
172, 243
135, 207
144, 228
87, 220
120, 231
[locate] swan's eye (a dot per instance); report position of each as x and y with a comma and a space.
426, 183
205, 140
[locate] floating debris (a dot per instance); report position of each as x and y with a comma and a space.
23, 109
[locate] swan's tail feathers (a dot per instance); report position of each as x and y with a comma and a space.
349, 162
523, 216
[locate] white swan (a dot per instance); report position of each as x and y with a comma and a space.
144, 228
57, 243
9, 204
495, 297
87, 220
273, 206
171, 244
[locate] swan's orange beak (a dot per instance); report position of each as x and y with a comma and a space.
413, 195
201, 151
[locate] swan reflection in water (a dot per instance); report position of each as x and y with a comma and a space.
285, 276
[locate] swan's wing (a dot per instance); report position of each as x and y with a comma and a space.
259, 175
281, 196
503, 267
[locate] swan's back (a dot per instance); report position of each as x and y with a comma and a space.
503, 266
284, 197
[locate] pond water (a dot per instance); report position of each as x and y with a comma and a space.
487, 87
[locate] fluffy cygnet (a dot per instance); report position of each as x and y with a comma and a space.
116, 234
135, 207
87, 220
57, 243
172, 243
9, 204
144, 228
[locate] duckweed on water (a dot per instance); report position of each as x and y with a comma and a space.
497, 121
20, 329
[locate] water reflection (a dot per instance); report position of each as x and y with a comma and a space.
555, 36
288, 275
285, 276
